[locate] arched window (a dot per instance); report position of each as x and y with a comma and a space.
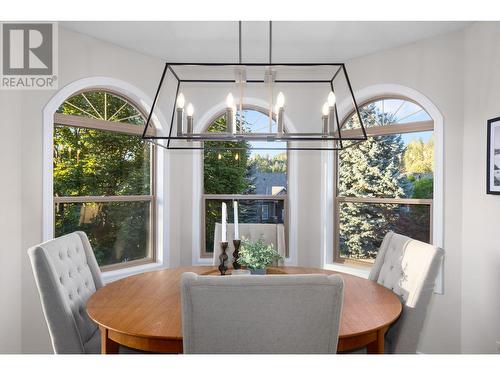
386, 182
103, 177
243, 172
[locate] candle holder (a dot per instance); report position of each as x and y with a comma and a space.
236, 254
223, 259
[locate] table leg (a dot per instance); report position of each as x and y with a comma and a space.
377, 346
108, 346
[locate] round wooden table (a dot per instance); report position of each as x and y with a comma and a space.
144, 311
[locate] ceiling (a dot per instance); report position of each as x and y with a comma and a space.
307, 41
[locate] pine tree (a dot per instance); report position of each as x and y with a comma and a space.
371, 168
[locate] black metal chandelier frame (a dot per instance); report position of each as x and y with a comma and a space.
330, 142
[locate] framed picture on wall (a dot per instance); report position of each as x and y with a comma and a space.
493, 171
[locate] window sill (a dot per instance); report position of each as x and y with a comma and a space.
110, 276
363, 272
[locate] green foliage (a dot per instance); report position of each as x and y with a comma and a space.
423, 188
270, 164
257, 255
225, 171
419, 157
91, 162
382, 167
225, 164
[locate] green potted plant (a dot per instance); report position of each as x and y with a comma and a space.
257, 256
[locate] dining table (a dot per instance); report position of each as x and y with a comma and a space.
143, 311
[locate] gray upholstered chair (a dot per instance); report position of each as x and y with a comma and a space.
409, 268
261, 314
67, 274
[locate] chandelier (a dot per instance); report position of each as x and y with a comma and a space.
217, 81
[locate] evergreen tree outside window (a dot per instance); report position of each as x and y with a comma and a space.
238, 171
386, 182
103, 177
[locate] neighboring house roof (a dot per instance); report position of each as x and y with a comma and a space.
270, 183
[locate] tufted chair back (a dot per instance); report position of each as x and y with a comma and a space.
261, 314
409, 268
269, 233
67, 274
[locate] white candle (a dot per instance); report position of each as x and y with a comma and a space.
236, 229
224, 222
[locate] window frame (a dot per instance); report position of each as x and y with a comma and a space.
237, 197
75, 121
376, 131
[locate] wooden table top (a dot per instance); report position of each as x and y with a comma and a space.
149, 304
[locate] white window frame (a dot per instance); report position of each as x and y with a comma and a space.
197, 175
141, 100
265, 212
376, 131
244, 197
84, 122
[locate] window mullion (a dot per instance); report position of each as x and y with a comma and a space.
104, 199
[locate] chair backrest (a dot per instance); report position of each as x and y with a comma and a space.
261, 314
409, 268
66, 274
269, 233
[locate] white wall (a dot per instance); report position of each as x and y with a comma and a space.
21, 219
433, 67
481, 248
10, 224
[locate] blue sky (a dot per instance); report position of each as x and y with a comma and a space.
404, 110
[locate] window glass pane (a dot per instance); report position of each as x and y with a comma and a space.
391, 166
118, 231
96, 162
364, 225
242, 167
250, 211
102, 106
386, 112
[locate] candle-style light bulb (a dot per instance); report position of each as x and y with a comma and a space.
331, 99
325, 109
280, 101
190, 110
181, 101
